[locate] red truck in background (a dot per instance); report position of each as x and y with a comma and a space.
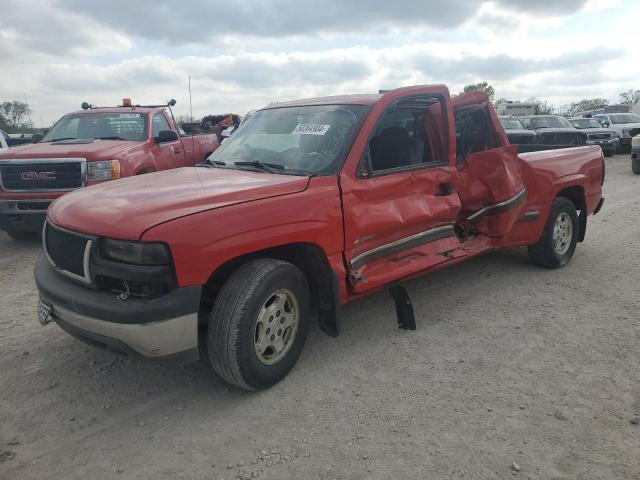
309, 205
89, 147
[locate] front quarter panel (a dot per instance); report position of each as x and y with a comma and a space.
202, 242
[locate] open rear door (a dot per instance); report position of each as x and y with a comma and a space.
490, 180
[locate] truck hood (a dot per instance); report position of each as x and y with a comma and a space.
128, 207
95, 149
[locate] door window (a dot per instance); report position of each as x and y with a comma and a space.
159, 124
475, 132
409, 134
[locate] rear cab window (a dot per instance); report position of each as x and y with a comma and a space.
475, 131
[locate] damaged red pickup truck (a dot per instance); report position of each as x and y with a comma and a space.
310, 205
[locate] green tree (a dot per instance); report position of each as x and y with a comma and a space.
587, 104
15, 115
626, 98
483, 87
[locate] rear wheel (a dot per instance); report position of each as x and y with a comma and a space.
556, 246
258, 324
18, 235
635, 165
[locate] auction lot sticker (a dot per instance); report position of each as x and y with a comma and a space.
311, 129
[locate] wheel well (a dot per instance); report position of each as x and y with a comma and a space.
309, 258
576, 195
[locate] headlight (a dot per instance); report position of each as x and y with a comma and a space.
137, 253
104, 170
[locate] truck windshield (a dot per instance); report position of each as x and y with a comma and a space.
620, 118
100, 125
585, 123
511, 124
549, 122
302, 140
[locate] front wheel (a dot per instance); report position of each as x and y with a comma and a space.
258, 324
558, 242
635, 165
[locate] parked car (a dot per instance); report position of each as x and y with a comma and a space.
554, 130
607, 139
517, 133
3, 142
627, 125
308, 206
86, 148
15, 140
635, 154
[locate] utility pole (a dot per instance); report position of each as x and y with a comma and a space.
190, 107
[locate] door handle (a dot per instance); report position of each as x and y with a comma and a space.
177, 150
444, 189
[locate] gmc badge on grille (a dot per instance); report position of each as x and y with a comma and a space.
38, 176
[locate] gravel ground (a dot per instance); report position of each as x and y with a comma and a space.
514, 372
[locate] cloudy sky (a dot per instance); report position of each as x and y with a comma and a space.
59, 53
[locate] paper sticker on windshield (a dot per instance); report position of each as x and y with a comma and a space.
129, 115
311, 129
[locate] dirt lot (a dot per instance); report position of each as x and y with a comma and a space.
510, 363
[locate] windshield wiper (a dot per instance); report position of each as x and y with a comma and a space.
267, 167
109, 138
211, 163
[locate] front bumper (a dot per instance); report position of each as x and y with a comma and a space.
609, 145
23, 215
165, 328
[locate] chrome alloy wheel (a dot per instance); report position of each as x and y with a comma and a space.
562, 233
276, 326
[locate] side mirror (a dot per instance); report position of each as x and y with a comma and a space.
36, 137
605, 125
165, 136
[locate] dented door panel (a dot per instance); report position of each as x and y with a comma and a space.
397, 224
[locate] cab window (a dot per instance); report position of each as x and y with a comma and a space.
475, 132
409, 134
159, 124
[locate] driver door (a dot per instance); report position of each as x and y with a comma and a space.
400, 207
170, 154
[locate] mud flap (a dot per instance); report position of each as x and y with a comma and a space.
404, 307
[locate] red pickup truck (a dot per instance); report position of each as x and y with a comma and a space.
86, 148
309, 205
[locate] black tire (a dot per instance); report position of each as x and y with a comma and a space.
233, 323
22, 236
635, 165
608, 153
543, 252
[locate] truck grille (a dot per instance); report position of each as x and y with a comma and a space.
562, 138
66, 251
42, 175
599, 136
516, 139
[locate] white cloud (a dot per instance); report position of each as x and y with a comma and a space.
244, 56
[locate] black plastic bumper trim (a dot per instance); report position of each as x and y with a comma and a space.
106, 306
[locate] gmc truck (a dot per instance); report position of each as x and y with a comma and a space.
89, 147
310, 205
